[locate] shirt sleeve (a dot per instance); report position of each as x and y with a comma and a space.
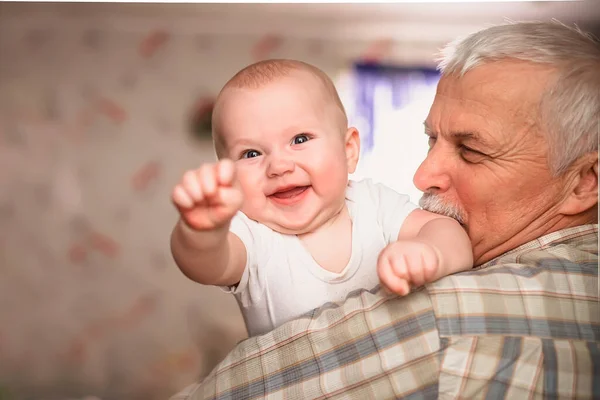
392, 208
255, 238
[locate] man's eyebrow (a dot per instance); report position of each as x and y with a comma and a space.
460, 135
426, 128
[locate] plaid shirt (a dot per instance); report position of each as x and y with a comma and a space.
525, 325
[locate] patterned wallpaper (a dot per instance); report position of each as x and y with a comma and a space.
93, 134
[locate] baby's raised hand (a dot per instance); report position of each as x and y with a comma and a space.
208, 197
407, 263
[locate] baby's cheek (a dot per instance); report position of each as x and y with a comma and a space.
254, 206
249, 182
335, 178
333, 168
253, 196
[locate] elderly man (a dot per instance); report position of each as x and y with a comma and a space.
513, 137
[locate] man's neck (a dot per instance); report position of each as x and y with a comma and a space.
535, 231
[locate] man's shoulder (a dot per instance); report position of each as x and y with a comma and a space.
532, 291
518, 367
577, 244
395, 339
572, 250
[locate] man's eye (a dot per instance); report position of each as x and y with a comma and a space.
300, 139
431, 141
469, 154
250, 154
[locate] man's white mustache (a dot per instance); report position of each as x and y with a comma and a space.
434, 204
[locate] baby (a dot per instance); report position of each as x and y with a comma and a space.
276, 220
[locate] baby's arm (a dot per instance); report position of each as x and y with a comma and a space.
201, 244
215, 257
443, 233
429, 247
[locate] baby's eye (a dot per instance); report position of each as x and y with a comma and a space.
250, 154
300, 139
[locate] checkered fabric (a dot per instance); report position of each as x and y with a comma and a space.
523, 326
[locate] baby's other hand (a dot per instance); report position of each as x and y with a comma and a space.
208, 197
407, 263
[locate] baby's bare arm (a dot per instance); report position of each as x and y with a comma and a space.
214, 257
443, 233
203, 248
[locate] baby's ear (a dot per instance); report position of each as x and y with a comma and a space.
352, 141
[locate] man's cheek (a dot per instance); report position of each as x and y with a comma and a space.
475, 191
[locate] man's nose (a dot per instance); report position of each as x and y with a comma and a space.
279, 165
433, 175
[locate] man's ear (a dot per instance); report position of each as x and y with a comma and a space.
352, 142
584, 194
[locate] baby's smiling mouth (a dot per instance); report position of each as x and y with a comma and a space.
289, 192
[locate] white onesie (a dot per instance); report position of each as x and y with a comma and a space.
282, 281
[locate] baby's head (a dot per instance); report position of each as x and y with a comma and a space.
283, 124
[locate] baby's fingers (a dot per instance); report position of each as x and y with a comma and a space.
181, 198
191, 186
231, 197
226, 172
393, 282
207, 176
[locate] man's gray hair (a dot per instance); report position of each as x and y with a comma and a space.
570, 106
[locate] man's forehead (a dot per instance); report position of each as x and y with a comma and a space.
456, 119
509, 81
489, 102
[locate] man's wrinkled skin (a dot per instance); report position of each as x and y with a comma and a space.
484, 134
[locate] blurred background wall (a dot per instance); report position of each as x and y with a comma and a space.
95, 128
